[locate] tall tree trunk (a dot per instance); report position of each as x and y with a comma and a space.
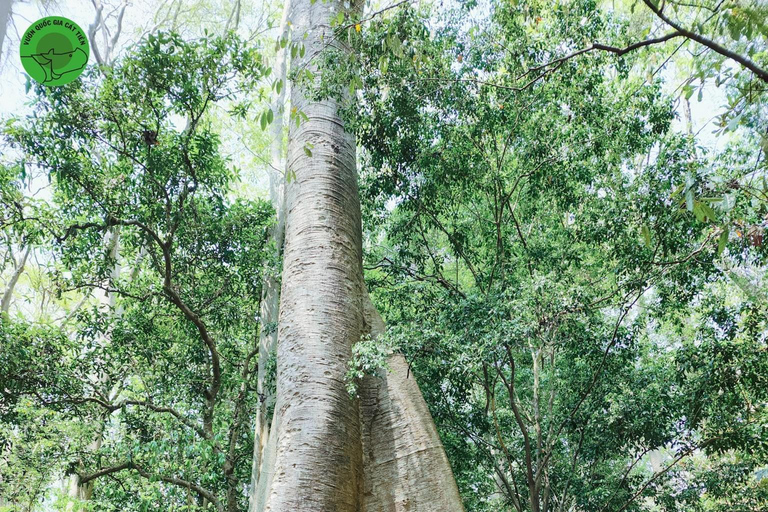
315, 446
406, 468
270, 299
314, 460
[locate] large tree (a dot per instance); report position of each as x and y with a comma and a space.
163, 370
328, 450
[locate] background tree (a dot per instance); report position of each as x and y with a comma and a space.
169, 377
542, 233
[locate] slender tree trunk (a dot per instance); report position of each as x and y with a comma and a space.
78, 492
6, 11
5, 304
687, 116
270, 299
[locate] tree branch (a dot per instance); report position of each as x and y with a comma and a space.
762, 74
604, 47
130, 465
510, 384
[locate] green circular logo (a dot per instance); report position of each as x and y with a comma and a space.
54, 50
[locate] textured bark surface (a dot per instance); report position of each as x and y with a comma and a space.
316, 428
405, 465
313, 459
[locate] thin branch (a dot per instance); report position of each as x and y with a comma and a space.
130, 465
607, 48
104, 472
140, 403
510, 385
669, 466
761, 73
5, 304
375, 14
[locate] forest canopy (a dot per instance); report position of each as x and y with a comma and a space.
490, 256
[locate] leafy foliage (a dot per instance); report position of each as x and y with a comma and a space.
579, 288
542, 244
154, 370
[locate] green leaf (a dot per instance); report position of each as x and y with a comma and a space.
308, 151
734, 122
699, 212
722, 241
263, 120
646, 235
689, 200
708, 211
764, 143
394, 44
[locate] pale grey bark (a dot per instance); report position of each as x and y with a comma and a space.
6, 12
313, 460
316, 426
406, 468
233, 22
5, 303
104, 51
687, 116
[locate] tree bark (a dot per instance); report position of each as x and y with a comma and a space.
6, 12
687, 116
315, 443
5, 303
406, 468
